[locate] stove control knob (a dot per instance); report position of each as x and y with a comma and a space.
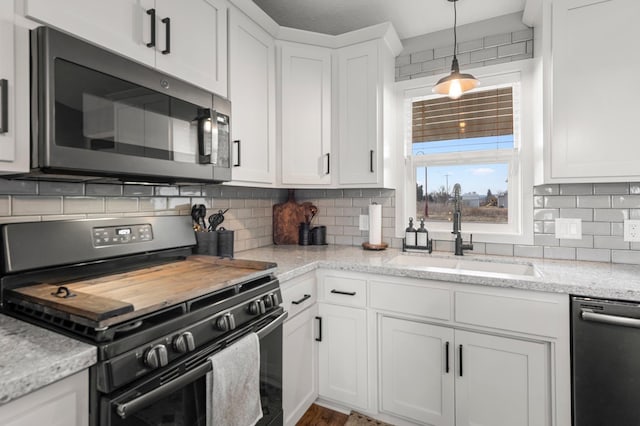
271, 300
156, 357
226, 322
184, 342
257, 307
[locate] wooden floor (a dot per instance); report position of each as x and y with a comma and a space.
321, 416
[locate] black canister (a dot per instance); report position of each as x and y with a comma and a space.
207, 243
225, 242
303, 234
319, 235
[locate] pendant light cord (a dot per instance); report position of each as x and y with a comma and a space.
455, 24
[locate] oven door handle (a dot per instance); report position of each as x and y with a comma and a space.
272, 325
126, 409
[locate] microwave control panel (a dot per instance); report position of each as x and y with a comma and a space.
117, 235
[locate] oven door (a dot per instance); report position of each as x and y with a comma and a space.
177, 395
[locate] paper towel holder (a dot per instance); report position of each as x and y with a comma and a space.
378, 245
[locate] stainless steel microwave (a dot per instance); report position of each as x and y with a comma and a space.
99, 115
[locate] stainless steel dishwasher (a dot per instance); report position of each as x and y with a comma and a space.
605, 353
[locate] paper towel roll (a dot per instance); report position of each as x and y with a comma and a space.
375, 224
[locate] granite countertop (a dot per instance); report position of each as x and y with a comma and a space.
594, 279
33, 357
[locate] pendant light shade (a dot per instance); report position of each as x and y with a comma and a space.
455, 84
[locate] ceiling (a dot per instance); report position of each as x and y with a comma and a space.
409, 17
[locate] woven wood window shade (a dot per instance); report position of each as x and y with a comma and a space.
473, 115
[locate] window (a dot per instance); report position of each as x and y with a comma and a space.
478, 142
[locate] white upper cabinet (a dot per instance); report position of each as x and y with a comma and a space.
365, 79
192, 41
591, 90
253, 103
305, 115
187, 39
14, 93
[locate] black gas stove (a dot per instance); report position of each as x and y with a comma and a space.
155, 312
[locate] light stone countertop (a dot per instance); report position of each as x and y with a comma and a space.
595, 279
32, 357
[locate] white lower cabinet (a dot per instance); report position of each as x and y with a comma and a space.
300, 361
300, 348
425, 352
416, 379
342, 350
63, 403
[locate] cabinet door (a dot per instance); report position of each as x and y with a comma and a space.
300, 358
63, 403
358, 113
594, 102
501, 381
306, 114
122, 26
417, 373
197, 42
252, 94
343, 355
7, 85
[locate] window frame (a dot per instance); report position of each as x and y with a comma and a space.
521, 159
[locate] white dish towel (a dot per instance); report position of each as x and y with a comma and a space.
233, 385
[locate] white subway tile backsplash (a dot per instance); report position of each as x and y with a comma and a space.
593, 255
563, 253
34, 205
610, 215
584, 214
594, 201
625, 256
9, 187
576, 189
610, 242
610, 188
586, 241
625, 201
122, 204
483, 55
76, 205
560, 201
425, 55
596, 228
103, 190
138, 191
546, 190
60, 188
498, 249
546, 214
153, 204
528, 251
497, 40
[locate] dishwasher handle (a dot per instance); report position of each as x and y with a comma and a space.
610, 319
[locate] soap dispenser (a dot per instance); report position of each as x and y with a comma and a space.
410, 234
422, 236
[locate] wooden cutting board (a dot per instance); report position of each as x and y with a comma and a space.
112, 299
287, 218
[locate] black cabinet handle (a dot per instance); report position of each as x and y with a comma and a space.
4, 106
237, 163
328, 163
346, 293
167, 47
460, 350
319, 338
446, 357
305, 297
152, 13
371, 161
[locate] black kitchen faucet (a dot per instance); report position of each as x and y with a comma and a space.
457, 224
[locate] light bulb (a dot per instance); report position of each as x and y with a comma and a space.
455, 90
207, 125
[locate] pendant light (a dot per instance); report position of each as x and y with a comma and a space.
455, 84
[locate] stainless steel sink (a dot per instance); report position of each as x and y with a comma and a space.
465, 266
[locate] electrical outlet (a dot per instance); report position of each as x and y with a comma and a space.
569, 229
632, 230
364, 222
